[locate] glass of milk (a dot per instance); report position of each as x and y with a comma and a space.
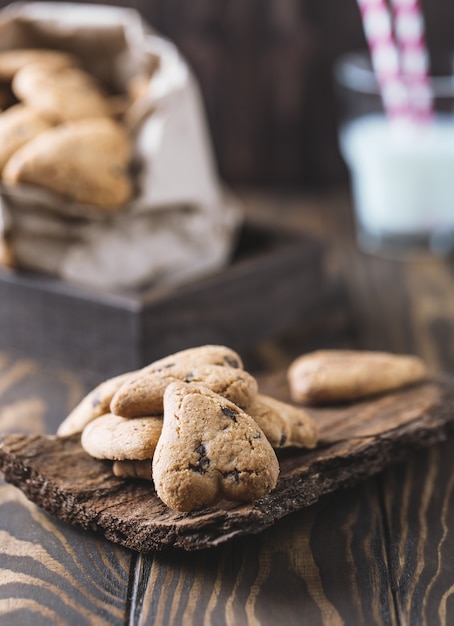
402, 172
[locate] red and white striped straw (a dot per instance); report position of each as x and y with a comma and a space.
414, 59
378, 30
399, 57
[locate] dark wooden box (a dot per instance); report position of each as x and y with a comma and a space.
274, 282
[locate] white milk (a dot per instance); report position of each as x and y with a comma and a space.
402, 175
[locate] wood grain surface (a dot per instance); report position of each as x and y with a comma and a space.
379, 553
50, 574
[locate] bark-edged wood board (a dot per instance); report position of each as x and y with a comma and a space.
356, 441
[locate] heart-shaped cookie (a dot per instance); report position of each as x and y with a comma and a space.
209, 354
85, 161
144, 395
328, 376
210, 450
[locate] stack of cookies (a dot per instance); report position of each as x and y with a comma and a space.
61, 130
195, 424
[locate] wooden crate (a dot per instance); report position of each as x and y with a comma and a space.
274, 282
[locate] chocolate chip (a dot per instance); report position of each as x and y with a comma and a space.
228, 412
203, 463
235, 474
201, 449
231, 361
257, 436
283, 439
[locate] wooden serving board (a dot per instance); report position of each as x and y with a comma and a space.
356, 441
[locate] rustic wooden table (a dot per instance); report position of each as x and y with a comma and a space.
379, 553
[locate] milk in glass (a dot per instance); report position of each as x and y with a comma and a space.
402, 177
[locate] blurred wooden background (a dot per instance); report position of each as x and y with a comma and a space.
265, 69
